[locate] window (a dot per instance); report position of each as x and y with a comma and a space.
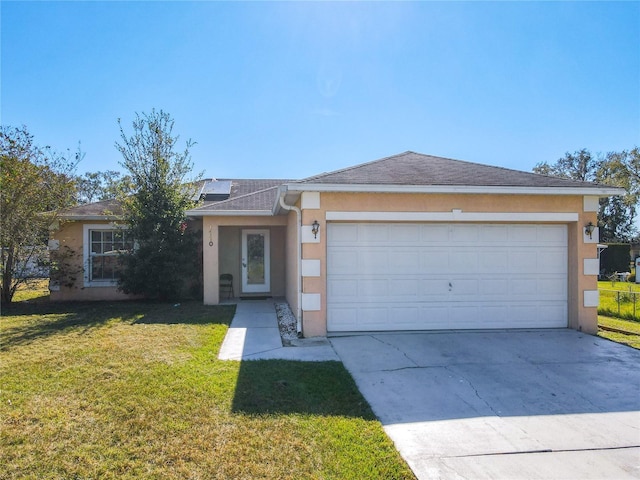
102, 245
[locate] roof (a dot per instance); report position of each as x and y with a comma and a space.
246, 195
103, 210
410, 168
408, 172
252, 197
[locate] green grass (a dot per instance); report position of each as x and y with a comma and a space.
630, 326
135, 390
619, 305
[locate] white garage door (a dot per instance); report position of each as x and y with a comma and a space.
445, 276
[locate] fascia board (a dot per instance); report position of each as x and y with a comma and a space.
454, 216
452, 189
89, 217
229, 213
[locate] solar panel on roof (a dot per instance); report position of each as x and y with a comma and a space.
217, 187
214, 190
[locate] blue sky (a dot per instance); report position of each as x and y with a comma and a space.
288, 90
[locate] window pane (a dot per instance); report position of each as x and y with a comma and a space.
96, 247
255, 252
96, 268
104, 261
110, 267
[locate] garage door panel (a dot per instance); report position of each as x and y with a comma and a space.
493, 233
553, 287
439, 276
434, 233
523, 286
373, 318
399, 287
434, 287
342, 233
552, 234
553, 261
522, 260
405, 261
373, 233
465, 233
342, 261
373, 288
463, 261
434, 261
343, 319
404, 234
407, 318
469, 316
465, 288
494, 286
373, 261
523, 234
343, 289
493, 260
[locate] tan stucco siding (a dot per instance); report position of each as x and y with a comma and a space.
579, 317
214, 237
230, 255
70, 238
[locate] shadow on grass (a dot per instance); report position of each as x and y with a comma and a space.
31, 321
274, 387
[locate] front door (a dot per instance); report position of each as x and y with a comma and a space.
255, 261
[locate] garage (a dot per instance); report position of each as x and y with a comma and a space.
437, 276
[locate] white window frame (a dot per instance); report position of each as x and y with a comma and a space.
86, 252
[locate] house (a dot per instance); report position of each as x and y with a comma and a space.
408, 242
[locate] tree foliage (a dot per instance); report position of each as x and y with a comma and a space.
618, 169
107, 185
35, 184
164, 261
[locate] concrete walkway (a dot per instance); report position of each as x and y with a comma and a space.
254, 335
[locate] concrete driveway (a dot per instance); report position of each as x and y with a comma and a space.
503, 405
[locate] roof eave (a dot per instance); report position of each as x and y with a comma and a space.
90, 217
229, 213
597, 191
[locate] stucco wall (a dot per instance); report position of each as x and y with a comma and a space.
69, 236
579, 316
230, 257
213, 262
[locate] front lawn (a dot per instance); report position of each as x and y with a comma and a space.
631, 339
135, 390
619, 299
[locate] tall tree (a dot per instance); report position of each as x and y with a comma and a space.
165, 257
579, 165
619, 169
107, 185
35, 184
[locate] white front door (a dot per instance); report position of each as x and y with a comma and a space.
256, 272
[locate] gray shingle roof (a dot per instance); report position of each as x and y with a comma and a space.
107, 208
247, 195
412, 168
405, 169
